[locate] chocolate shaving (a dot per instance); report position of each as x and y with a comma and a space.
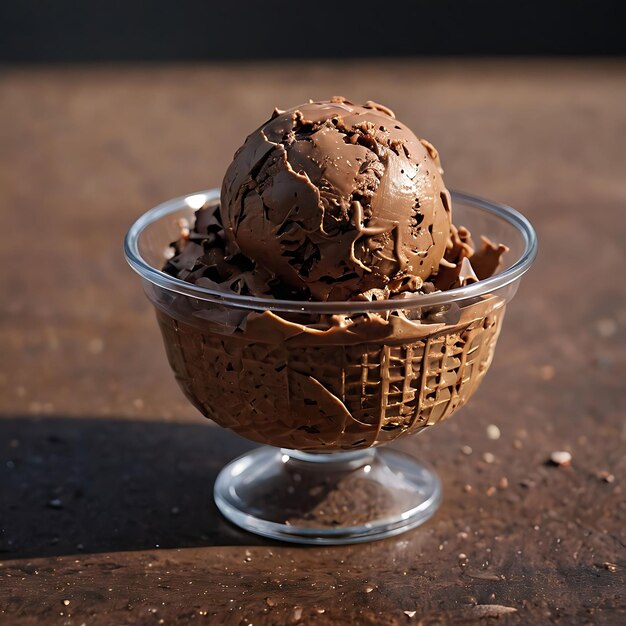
486, 260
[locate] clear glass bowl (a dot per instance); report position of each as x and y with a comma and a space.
323, 384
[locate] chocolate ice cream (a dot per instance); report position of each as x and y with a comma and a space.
336, 199
330, 201
345, 383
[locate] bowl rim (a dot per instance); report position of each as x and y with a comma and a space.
197, 199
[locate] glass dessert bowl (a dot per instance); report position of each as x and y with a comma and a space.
323, 384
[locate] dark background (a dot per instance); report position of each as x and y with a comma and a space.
160, 30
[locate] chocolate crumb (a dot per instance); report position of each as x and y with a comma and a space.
493, 432
560, 458
606, 477
489, 610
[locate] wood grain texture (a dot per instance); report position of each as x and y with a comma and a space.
102, 459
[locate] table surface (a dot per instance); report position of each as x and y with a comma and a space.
106, 471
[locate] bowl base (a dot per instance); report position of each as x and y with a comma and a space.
327, 499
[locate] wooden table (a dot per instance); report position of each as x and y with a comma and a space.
106, 471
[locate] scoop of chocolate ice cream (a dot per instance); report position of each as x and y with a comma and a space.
336, 201
330, 201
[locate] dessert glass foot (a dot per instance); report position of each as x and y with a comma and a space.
326, 384
335, 498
